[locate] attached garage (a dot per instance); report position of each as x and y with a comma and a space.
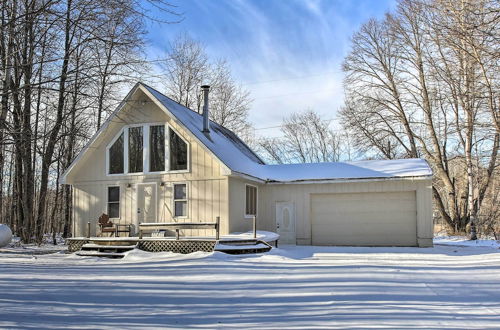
366, 203
365, 219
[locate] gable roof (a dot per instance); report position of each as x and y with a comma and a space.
225, 145
240, 159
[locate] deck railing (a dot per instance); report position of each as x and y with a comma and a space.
177, 226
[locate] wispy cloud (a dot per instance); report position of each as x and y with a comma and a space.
287, 53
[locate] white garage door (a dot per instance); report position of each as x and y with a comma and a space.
369, 219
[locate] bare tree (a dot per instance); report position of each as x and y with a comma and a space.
424, 81
62, 65
306, 139
187, 67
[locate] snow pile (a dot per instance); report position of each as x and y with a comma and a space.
5, 235
464, 241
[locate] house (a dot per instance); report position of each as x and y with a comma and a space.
155, 160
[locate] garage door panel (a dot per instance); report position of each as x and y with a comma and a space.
364, 219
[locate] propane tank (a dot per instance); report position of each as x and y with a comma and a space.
5, 235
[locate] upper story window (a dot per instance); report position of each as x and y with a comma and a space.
146, 149
135, 149
157, 148
116, 156
178, 152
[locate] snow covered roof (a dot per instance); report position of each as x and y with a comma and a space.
368, 169
226, 145
241, 159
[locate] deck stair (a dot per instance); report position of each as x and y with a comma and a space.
242, 246
106, 251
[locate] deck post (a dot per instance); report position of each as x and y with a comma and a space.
88, 229
254, 226
217, 228
177, 233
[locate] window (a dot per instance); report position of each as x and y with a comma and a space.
135, 149
251, 200
180, 200
157, 148
142, 149
115, 157
178, 152
114, 202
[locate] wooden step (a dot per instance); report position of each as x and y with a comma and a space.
242, 247
240, 242
100, 254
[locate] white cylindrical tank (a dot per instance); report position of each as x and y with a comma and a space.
5, 235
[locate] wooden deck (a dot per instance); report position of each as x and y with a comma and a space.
169, 244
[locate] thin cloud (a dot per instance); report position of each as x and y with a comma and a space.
288, 54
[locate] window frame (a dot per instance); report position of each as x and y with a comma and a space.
256, 200
167, 149
180, 200
146, 131
127, 147
148, 156
119, 201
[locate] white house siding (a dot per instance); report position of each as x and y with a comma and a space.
207, 187
300, 195
237, 192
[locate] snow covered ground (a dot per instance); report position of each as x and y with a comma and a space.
448, 286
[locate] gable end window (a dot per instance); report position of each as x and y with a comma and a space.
178, 152
251, 200
116, 156
180, 200
135, 149
142, 149
157, 148
114, 202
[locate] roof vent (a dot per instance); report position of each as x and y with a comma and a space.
206, 126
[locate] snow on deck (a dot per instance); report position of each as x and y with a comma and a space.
291, 287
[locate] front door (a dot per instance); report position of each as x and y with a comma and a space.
285, 222
146, 203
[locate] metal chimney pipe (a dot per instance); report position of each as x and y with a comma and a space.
206, 125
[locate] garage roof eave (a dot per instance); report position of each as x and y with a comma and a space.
342, 180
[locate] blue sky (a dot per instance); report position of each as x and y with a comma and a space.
287, 53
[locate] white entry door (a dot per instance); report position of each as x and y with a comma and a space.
146, 203
285, 222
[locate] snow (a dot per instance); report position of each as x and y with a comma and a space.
222, 247
368, 169
463, 241
267, 236
238, 157
290, 287
223, 143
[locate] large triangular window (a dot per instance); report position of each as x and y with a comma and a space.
116, 156
178, 152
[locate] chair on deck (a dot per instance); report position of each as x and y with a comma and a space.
108, 226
